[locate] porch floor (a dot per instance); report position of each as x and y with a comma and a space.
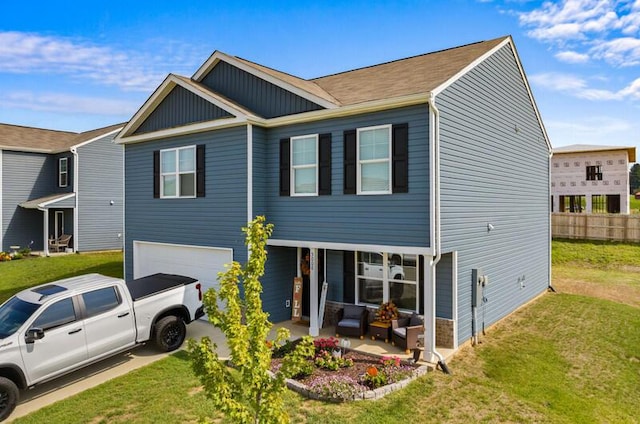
299, 329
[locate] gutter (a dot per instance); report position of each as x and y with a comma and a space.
74, 150
434, 124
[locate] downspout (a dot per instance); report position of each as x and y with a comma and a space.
45, 228
434, 115
74, 150
550, 219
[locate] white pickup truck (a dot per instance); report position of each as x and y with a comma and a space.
53, 329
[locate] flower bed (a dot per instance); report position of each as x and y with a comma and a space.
351, 375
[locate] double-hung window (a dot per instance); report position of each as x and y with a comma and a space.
304, 165
178, 172
63, 172
374, 160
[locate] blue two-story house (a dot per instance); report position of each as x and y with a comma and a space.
55, 183
424, 181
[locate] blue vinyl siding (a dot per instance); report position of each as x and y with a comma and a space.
493, 173
444, 287
213, 220
277, 282
181, 107
259, 171
100, 168
25, 176
396, 219
255, 94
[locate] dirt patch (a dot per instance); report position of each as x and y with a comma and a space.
628, 295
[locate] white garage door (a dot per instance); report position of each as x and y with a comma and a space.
202, 263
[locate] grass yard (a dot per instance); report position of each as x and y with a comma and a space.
634, 204
571, 356
21, 274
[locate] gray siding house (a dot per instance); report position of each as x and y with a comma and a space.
57, 182
424, 181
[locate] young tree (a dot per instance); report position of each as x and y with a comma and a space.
634, 178
246, 391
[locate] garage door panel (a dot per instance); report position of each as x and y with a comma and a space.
202, 263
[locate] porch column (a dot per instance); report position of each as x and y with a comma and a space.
313, 293
46, 231
429, 311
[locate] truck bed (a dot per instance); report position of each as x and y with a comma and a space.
156, 283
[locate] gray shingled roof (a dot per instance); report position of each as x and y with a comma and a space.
16, 137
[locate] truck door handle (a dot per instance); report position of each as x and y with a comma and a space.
77, 330
123, 315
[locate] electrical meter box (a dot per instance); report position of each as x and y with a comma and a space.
478, 282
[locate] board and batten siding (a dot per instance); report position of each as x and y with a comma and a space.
444, 286
181, 107
255, 94
100, 182
25, 176
400, 219
494, 170
277, 282
214, 220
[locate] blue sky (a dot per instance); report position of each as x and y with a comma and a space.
71, 67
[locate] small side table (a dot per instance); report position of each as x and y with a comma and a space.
379, 330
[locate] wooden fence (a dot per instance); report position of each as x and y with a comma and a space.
596, 226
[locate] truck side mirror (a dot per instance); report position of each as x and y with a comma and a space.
33, 334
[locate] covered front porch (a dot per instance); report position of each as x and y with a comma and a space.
334, 275
58, 222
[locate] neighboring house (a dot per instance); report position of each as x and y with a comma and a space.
436, 165
591, 179
57, 182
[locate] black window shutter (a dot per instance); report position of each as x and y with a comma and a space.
285, 171
349, 277
400, 158
350, 162
156, 174
200, 168
325, 164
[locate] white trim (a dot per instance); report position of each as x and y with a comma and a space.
299, 118
292, 168
249, 174
507, 41
156, 99
454, 295
218, 56
66, 172
44, 205
55, 223
350, 246
1, 196
359, 162
76, 184
177, 172
45, 233
84, 143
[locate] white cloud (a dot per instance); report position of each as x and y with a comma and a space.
578, 87
589, 130
572, 57
33, 53
58, 102
619, 52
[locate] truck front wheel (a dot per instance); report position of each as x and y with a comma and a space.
8, 397
170, 333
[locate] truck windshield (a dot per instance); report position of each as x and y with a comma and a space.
13, 314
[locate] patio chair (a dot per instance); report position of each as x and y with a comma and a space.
61, 242
352, 320
405, 332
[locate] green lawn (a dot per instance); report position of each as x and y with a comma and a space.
634, 204
564, 358
21, 274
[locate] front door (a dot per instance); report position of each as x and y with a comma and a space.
59, 224
63, 345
